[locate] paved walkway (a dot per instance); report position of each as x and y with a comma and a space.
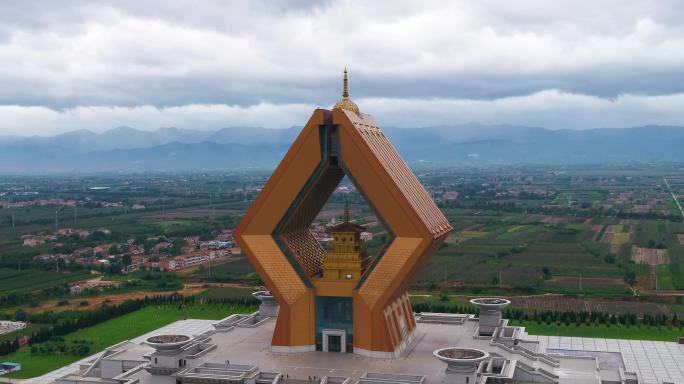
655, 361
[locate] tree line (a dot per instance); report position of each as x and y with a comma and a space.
565, 317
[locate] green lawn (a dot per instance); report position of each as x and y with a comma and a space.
116, 330
602, 331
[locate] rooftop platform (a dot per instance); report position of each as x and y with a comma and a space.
539, 358
656, 361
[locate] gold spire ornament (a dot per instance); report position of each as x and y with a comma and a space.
345, 102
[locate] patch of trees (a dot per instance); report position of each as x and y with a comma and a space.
15, 298
57, 346
564, 317
8, 346
586, 317
444, 308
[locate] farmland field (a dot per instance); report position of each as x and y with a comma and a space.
472, 234
13, 281
604, 286
560, 303
649, 255
236, 269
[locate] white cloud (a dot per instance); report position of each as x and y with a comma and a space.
551, 109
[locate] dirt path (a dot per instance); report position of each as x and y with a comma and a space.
114, 299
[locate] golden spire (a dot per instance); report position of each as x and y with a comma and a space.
345, 91
345, 102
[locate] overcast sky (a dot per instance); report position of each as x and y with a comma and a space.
96, 65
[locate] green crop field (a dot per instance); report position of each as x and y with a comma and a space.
238, 269
472, 234
664, 277
514, 250
113, 331
14, 281
605, 287
505, 236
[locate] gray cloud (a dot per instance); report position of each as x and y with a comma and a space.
245, 55
552, 109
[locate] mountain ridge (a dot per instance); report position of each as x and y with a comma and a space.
168, 149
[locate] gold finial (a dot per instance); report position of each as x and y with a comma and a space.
345, 91
345, 102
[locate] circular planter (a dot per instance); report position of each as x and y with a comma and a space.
168, 342
461, 360
269, 306
264, 296
490, 303
490, 313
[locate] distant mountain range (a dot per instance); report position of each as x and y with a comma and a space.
127, 149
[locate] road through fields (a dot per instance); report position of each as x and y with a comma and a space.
674, 197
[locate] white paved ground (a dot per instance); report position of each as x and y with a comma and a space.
656, 361
183, 327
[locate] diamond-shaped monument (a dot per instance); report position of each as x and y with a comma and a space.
341, 300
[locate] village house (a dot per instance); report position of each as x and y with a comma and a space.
216, 245
32, 241
82, 233
102, 249
47, 257
136, 249
225, 235
196, 259
99, 283
83, 252
450, 195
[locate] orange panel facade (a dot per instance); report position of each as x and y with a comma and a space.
375, 318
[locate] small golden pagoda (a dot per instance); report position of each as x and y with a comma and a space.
346, 261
